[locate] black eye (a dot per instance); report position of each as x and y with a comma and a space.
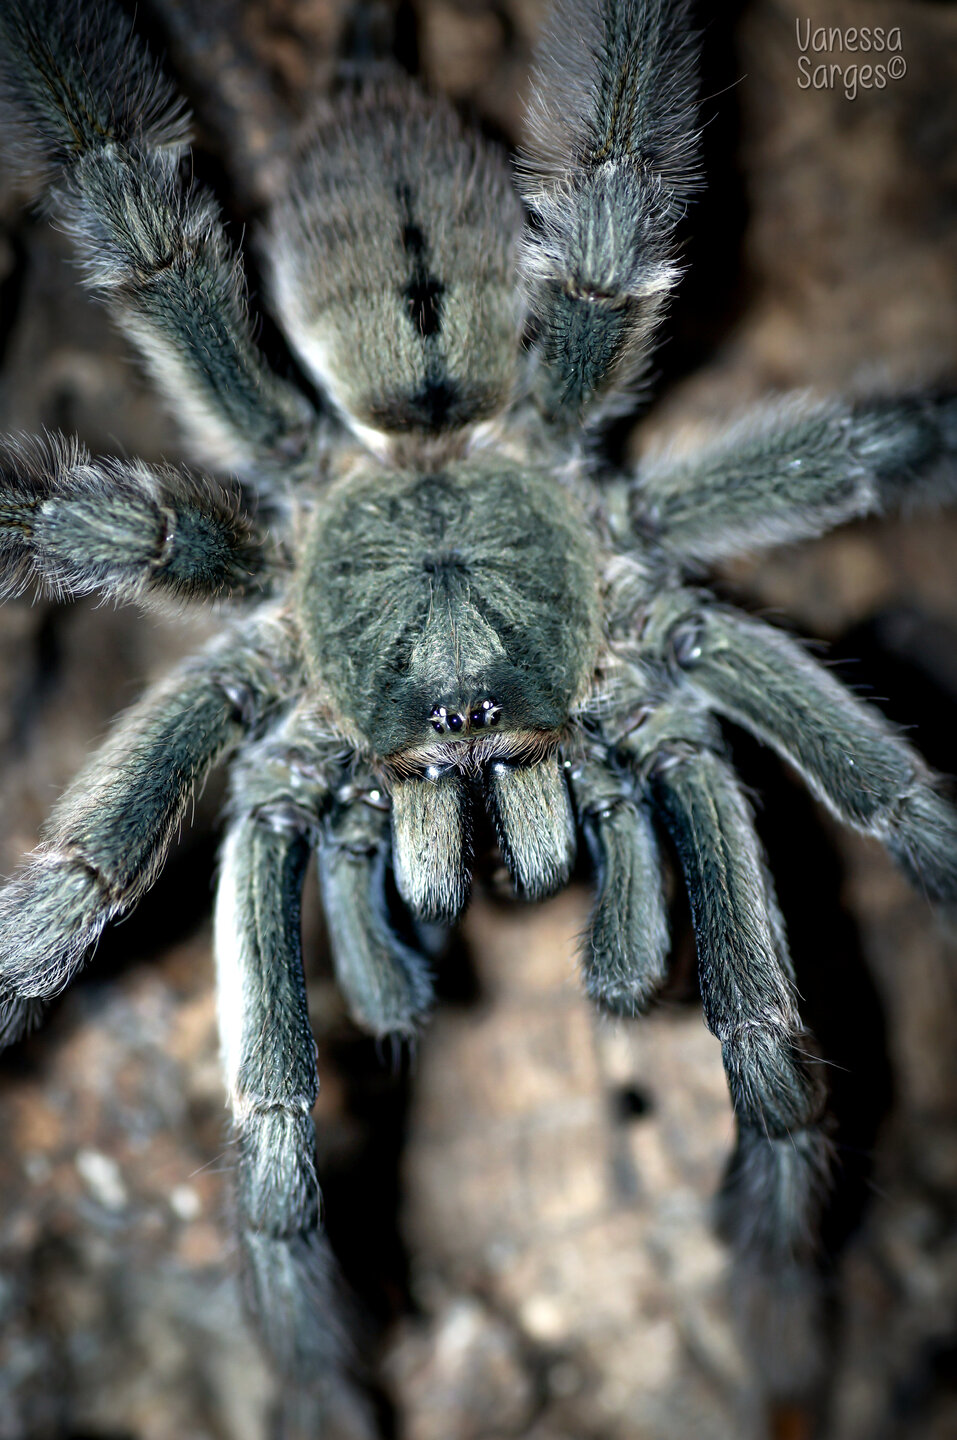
487, 713
438, 727
456, 722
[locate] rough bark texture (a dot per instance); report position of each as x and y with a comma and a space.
525, 1213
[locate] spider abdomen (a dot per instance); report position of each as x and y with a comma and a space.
393, 264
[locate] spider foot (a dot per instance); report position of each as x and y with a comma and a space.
770, 1211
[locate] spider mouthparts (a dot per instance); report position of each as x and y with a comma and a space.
431, 854
431, 832
533, 819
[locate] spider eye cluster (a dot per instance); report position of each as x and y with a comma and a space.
475, 717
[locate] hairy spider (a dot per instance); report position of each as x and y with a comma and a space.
449, 603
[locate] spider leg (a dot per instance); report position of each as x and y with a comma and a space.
106, 840
626, 949
296, 774
89, 111
770, 1211
746, 983
287, 797
386, 983
610, 158
270, 1062
128, 530
772, 1202
793, 470
666, 751
847, 753
663, 752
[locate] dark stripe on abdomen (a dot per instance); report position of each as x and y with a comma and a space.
424, 292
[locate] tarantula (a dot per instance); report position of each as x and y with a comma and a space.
450, 605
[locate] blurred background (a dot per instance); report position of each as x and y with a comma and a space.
522, 1207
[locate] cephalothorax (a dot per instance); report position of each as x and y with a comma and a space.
450, 605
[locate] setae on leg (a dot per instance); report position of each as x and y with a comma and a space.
793, 470
283, 797
848, 754
772, 1202
269, 1058
297, 779
385, 982
91, 113
131, 531
625, 954
746, 982
611, 157
106, 841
